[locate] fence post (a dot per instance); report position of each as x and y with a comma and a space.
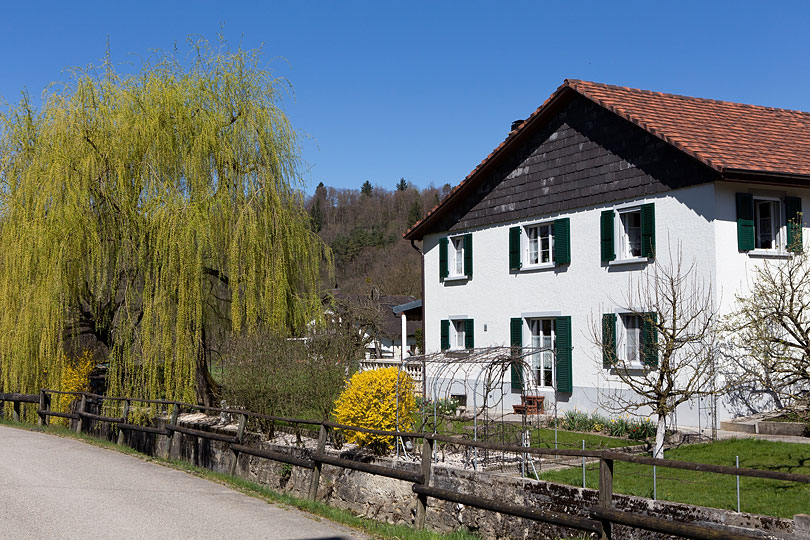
738, 485
44, 407
82, 406
15, 412
606, 490
125, 419
583, 466
421, 500
240, 432
316, 470
170, 433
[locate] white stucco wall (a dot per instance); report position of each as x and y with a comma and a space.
698, 222
735, 269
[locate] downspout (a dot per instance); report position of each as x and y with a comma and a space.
424, 353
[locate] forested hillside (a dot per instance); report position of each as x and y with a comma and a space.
364, 228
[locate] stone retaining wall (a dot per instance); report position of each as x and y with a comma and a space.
393, 501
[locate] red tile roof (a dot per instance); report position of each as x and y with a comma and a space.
723, 135
728, 137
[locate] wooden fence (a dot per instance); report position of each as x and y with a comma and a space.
599, 519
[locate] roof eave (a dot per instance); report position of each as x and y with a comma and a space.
767, 177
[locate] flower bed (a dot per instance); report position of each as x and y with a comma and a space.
631, 428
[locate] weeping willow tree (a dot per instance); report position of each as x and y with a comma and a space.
150, 210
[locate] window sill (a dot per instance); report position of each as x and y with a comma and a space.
456, 278
630, 368
770, 254
635, 260
532, 267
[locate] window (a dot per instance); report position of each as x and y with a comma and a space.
539, 240
629, 238
457, 334
548, 354
455, 257
630, 339
540, 245
542, 344
630, 234
769, 224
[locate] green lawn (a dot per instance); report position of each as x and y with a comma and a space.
758, 496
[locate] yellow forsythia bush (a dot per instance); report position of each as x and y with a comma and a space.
370, 401
75, 378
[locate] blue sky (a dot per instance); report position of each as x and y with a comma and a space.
425, 90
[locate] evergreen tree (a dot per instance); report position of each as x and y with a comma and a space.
316, 210
402, 185
367, 188
316, 216
414, 212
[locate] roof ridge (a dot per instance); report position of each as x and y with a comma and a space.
705, 129
573, 83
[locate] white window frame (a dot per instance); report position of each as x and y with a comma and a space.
458, 333
526, 246
621, 240
538, 353
622, 339
778, 224
455, 257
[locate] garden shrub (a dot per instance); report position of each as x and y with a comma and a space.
299, 378
75, 378
370, 401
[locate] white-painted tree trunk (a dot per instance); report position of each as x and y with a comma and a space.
660, 431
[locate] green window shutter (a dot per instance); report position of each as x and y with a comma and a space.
608, 340
468, 255
469, 340
514, 248
445, 334
745, 221
444, 269
606, 227
516, 341
565, 372
793, 215
648, 230
649, 339
516, 372
562, 241
516, 333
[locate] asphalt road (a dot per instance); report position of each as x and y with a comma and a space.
56, 488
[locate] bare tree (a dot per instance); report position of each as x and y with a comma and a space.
767, 352
669, 359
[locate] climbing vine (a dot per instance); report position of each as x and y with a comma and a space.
146, 211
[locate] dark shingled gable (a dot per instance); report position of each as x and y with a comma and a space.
584, 155
739, 142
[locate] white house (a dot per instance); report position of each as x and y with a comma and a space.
538, 245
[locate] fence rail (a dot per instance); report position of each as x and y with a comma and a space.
599, 519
